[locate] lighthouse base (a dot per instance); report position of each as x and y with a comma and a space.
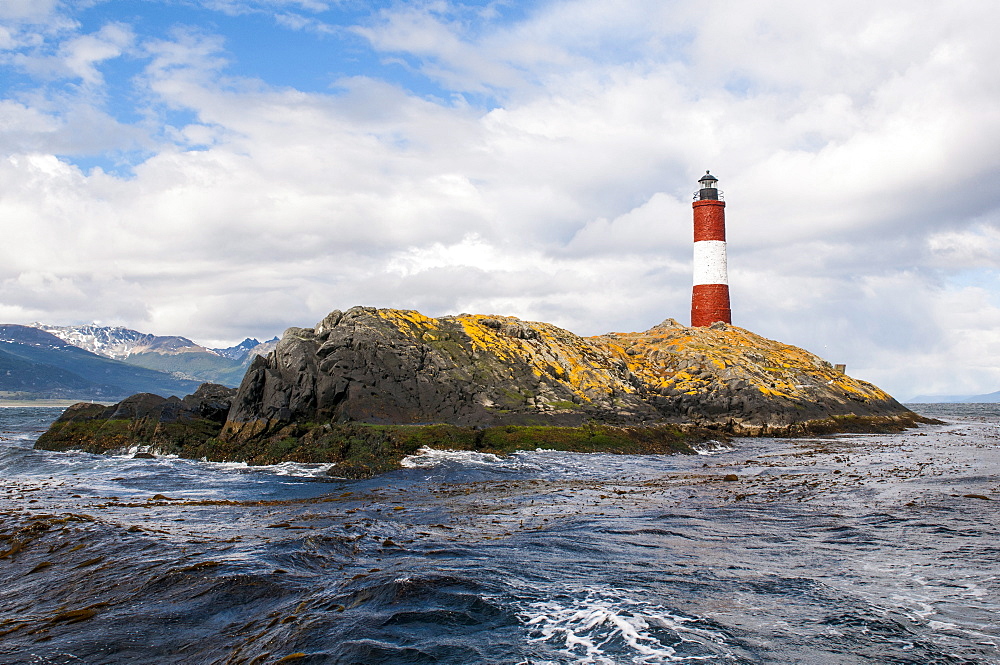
710, 303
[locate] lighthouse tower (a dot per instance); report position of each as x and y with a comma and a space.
710, 295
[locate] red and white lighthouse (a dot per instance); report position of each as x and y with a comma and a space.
710, 295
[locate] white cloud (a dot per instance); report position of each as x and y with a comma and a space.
264, 6
83, 54
27, 10
856, 145
77, 57
27, 24
977, 246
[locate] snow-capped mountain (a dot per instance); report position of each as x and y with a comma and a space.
35, 364
175, 355
11, 333
239, 351
120, 343
248, 348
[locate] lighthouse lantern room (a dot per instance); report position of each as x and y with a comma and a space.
708, 189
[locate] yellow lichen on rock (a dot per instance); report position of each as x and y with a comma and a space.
550, 351
692, 360
408, 321
667, 359
400, 366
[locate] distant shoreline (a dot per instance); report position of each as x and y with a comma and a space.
47, 402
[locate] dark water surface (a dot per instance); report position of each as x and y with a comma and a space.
849, 549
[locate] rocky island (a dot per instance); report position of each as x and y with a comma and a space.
366, 387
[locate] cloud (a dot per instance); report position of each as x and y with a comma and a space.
27, 24
977, 246
546, 173
27, 10
82, 55
77, 57
266, 6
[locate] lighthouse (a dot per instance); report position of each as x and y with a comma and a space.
710, 295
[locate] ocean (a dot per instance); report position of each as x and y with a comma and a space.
840, 549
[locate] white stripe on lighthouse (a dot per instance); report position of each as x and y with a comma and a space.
710, 262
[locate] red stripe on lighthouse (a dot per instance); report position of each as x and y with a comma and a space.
710, 303
709, 220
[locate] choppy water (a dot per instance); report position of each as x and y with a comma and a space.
851, 549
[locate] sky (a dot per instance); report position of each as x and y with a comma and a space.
219, 169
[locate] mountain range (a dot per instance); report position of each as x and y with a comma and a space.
35, 364
121, 343
102, 362
952, 399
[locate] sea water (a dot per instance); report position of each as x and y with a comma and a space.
841, 549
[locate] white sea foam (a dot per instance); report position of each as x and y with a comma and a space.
296, 469
131, 451
18, 436
602, 628
712, 447
941, 625
300, 469
426, 458
548, 462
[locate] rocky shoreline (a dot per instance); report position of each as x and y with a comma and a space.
367, 387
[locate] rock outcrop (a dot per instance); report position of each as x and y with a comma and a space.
366, 387
400, 367
165, 424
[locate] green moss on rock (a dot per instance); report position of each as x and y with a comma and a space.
358, 449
